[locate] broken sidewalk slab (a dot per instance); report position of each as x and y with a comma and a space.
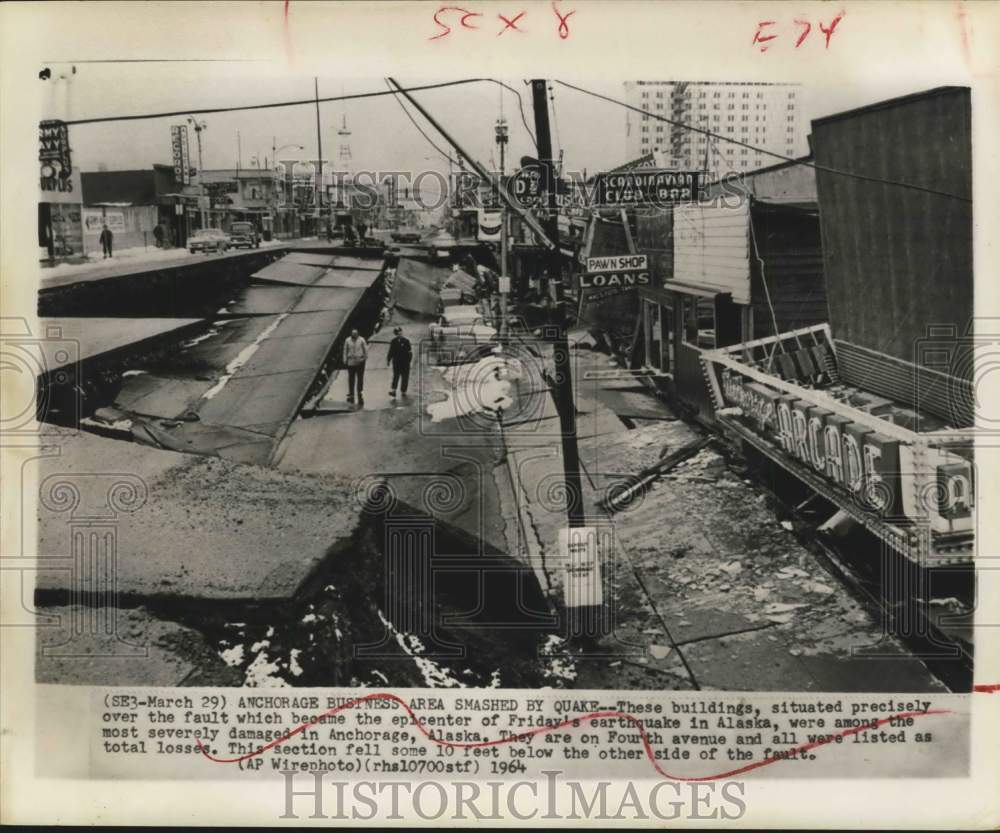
270, 300
184, 526
70, 340
288, 272
335, 261
131, 646
693, 624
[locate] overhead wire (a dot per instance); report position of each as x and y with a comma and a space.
791, 159
430, 141
275, 104
311, 102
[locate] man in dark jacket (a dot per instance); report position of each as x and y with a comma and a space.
106, 238
400, 355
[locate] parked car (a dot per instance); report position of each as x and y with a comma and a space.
459, 343
462, 314
208, 240
441, 246
244, 234
459, 288
406, 235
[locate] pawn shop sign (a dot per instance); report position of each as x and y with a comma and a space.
622, 272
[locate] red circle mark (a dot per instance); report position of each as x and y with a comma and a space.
573, 722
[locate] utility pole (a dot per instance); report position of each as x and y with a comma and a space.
198, 127
563, 381
319, 150
502, 137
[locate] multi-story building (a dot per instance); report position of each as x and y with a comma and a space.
762, 115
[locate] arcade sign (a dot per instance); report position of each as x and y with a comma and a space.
875, 470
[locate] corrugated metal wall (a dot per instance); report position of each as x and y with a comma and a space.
897, 260
712, 248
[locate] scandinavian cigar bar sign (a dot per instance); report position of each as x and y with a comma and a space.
876, 471
658, 187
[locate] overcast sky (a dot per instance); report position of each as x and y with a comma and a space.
591, 132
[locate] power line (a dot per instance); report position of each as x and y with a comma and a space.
791, 159
272, 105
419, 128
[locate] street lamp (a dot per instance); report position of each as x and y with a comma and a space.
199, 126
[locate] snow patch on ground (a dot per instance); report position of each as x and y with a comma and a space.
243, 357
435, 676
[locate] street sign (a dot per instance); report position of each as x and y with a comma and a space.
503, 284
579, 547
648, 187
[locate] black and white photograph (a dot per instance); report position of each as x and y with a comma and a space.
427, 391
507, 403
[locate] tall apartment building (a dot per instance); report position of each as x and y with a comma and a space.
762, 115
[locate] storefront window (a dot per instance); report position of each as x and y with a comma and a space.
699, 322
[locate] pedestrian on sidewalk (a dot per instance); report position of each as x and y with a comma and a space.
355, 356
400, 356
158, 235
106, 239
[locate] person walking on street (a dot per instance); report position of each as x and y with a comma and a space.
355, 356
106, 239
400, 356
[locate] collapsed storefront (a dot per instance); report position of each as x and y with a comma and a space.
737, 272
874, 411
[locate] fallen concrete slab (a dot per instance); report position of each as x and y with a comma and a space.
181, 526
132, 648
70, 340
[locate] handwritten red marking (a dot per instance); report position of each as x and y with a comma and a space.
805, 34
511, 24
466, 14
833, 25
563, 25
573, 722
758, 38
987, 688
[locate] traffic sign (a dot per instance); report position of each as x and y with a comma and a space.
579, 548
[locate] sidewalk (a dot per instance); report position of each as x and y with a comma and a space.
710, 590
125, 261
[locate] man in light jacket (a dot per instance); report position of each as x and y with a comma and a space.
355, 356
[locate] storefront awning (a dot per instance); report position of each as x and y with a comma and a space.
662, 294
